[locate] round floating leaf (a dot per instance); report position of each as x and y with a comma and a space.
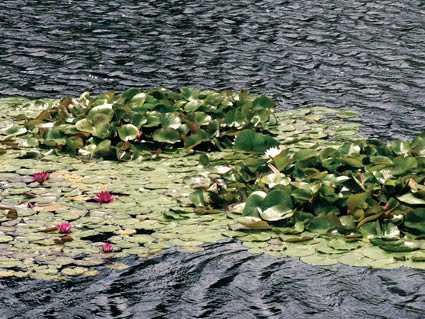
5, 238
276, 213
250, 141
276, 197
305, 154
261, 236
103, 147
320, 225
252, 204
254, 222
74, 271
204, 160
411, 199
418, 145
297, 252
199, 198
90, 261
275, 206
390, 231
353, 162
346, 114
342, 244
402, 165
319, 260
91, 273
153, 119
84, 126
167, 135
170, 120
416, 220
263, 102
371, 230
374, 252
395, 245
101, 114
401, 147
352, 259
14, 130
190, 249
117, 266
140, 239
128, 132
196, 139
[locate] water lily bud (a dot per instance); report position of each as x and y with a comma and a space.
104, 197
107, 248
64, 227
40, 177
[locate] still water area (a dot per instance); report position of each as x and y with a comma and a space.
363, 56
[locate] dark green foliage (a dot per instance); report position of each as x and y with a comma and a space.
367, 188
125, 126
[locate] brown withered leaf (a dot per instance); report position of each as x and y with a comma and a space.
11, 211
48, 230
67, 238
30, 194
58, 241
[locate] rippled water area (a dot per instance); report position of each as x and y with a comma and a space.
367, 56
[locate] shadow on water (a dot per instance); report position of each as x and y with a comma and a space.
224, 281
366, 56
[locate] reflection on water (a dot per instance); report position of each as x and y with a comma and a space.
224, 281
367, 56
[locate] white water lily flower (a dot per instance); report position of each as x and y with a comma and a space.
272, 152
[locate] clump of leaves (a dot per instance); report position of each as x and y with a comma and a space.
127, 125
363, 188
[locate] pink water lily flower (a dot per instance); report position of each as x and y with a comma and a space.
40, 177
104, 197
107, 248
64, 227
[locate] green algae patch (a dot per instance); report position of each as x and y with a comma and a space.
205, 166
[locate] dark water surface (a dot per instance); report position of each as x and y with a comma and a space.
362, 55
222, 282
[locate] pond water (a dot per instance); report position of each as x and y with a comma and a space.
365, 56
224, 281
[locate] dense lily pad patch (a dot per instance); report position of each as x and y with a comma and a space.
132, 124
356, 192
154, 198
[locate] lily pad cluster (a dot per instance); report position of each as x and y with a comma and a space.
149, 203
128, 125
150, 213
362, 189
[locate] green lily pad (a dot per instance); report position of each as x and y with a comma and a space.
411, 199
261, 236
352, 259
167, 135
5, 238
127, 132
415, 220
249, 141
74, 271
319, 260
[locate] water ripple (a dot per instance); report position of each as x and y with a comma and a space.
361, 55
224, 281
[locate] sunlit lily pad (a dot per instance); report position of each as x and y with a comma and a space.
74, 271
319, 260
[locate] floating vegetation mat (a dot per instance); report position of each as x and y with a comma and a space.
86, 182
